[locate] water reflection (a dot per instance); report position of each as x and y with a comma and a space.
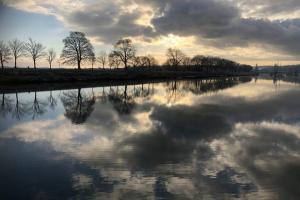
231, 138
78, 106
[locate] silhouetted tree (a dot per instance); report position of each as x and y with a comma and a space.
78, 106
4, 53
197, 60
125, 50
51, 55
144, 61
93, 61
102, 58
151, 61
17, 49
113, 60
186, 61
77, 49
35, 50
175, 57
138, 61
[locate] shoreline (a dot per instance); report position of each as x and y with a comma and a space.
46, 79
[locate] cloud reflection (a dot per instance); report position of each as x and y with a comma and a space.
215, 146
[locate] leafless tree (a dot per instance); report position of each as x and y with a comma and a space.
197, 60
175, 57
17, 49
125, 50
151, 61
113, 60
187, 61
93, 60
4, 53
51, 55
102, 58
77, 49
35, 50
138, 61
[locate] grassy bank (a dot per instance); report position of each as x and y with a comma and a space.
33, 76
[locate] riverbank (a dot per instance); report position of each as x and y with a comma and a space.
29, 76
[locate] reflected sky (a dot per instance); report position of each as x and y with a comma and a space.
234, 138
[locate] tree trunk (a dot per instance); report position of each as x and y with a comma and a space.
78, 63
2, 63
15, 63
34, 64
50, 65
125, 65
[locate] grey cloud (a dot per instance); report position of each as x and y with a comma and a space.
269, 146
223, 25
109, 22
268, 8
204, 122
214, 22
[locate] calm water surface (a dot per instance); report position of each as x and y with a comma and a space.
233, 138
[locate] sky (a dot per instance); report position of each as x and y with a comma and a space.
247, 31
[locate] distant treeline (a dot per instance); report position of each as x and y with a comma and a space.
287, 69
78, 50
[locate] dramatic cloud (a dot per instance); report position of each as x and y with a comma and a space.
271, 25
222, 25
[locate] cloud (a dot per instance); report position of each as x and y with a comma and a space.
222, 24
269, 8
266, 152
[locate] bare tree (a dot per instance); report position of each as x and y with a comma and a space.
102, 58
175, 57
35, 50
77, 49
151, 61
187, 61
138, 61
17, 49
197, 60
93, 61
4, 53
113, 60
51, 55
125, 50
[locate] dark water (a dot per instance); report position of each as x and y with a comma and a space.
233, 138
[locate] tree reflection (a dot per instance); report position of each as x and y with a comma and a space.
38, 107
20, 108
52, 101
122, 102
202, 86
141, 92
6, 105
78, 106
